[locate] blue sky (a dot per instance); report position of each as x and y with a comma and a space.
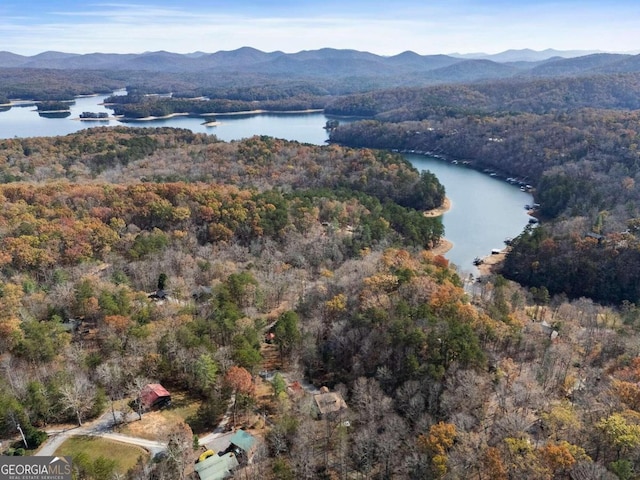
388, 27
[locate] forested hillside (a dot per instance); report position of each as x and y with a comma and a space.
574, 140
498, 97
325, 247
131, 256
249, 74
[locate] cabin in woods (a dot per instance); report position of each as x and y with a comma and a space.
243, 445
216, 467
328, 403
154, 395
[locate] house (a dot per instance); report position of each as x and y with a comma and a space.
243, 445
596, 236
328, 402
159, 294
154, 395
217, 467
71, 325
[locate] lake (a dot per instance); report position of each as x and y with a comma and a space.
485, 210
25, 122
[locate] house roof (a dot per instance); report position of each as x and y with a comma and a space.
328, 402
151, 393
216, 467
243, 440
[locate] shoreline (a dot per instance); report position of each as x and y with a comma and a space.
105, 119
492, 263
443, 247
260, 112
441, 210
122, 118
217, 114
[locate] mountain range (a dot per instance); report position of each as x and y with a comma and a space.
337, 63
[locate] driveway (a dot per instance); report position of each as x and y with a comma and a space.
98, 428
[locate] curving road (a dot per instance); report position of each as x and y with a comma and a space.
97, 428
101, 428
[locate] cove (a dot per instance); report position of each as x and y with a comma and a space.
484, 212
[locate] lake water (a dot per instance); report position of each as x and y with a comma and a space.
25, 122
485, 210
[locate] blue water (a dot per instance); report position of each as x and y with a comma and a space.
485, 210
307, 128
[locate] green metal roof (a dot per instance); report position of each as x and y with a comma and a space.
216, 467
243, 440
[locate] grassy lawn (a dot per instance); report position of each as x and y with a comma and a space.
156, 425
182, 406
125, 455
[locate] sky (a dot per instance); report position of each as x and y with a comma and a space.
29, 27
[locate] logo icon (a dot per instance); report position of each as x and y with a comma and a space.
35, 468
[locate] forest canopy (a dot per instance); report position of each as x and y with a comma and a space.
135, 255
574, 140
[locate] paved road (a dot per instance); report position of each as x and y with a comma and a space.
99, 428
222, 426
102, 426
153, 446
57, 437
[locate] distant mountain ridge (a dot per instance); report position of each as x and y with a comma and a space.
341, 63
525, 55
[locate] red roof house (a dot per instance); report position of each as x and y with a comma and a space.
154, 395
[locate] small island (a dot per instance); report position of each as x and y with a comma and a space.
52, 106
94, 116
53, 109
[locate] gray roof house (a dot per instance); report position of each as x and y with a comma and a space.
217, 467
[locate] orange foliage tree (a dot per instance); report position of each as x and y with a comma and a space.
241, 384
436, 444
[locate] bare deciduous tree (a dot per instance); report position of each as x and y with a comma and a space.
78, 396
180, 449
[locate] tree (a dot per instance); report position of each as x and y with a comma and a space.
619, 433
558, 458
111, 378
41, 341
205, 372
134, 389
278, 384
99, 469
162, 281
78, 396
180, 449
38, 402
241, 383
436, 445
287, 333
246, 353
493, 465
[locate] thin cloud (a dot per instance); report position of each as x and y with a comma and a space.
383, 28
